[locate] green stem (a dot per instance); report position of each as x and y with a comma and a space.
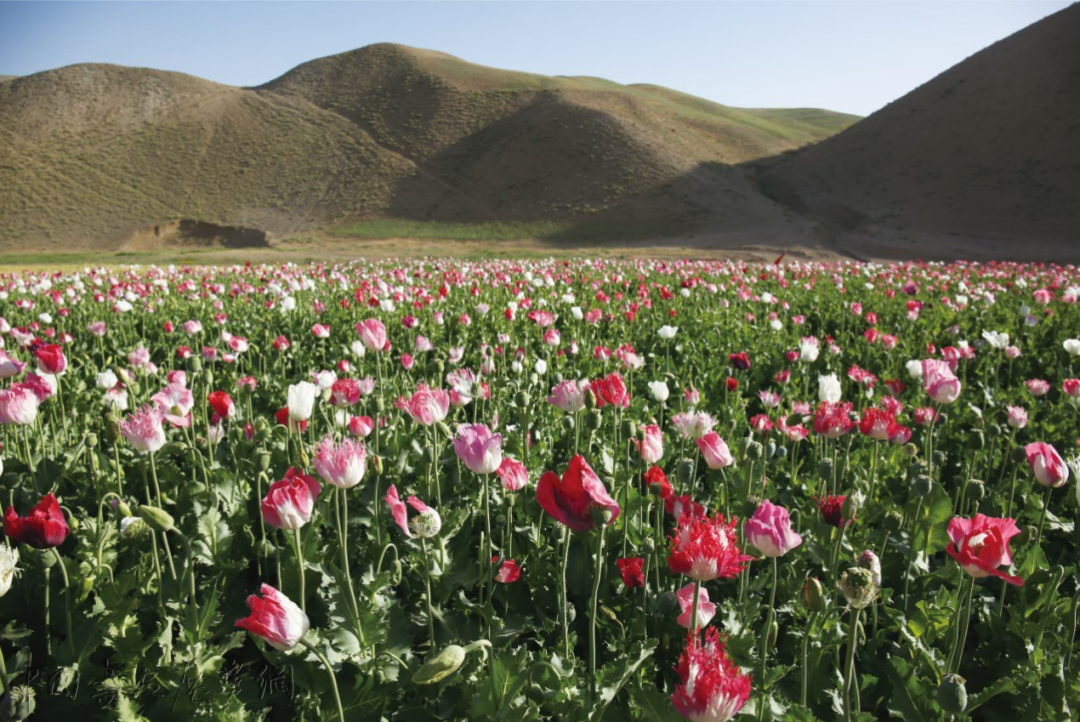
562, 593
427, 581
333, 677
592, 616
911, 551
1042, 518
849, 667
67, 600
300, 569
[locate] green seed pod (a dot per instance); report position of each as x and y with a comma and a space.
649, 545
629, 428
522, 399
976, 489
595, 420
994, 431
952, 694
813, 595
264, 459
857, 585
380, 405
939, 458
92, 440
781, 452
1026, 535
825, 468
600, 514
44, 558
922, 486
444, 429
911, 450
745, 445
770, 449
441, 666
684, 472
1020, 454
18, 704
194, 364
568, 423
157, 519
755, 450
208, 377
667, 604
428, 454
976, 440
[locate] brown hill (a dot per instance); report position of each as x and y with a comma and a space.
983, 160
92, 155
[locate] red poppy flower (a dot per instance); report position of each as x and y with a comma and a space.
44, 528
572, 499
632, 571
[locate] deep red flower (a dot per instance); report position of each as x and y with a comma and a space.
732, 383
50, 359
740, 360
282, 417
43, 528
655, 476
572, 499
705, 548
831, 508
632, 571
222, 404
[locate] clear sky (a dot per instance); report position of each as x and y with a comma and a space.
847, 56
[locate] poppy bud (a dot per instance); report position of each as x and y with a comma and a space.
380, 405
92, 440
755, 450
124, 376
444, 429
850, 509
995, 431
441, 666
133, 528
123, 507
377, 464
590, 400
18, 704
208, 376
922, 486
629, 428
595, 420
157, 519
194, 364
976, 489
952, 694
1026, 534
649, 545
684, 471
893, 521
264, 459
521, 399
813, 595
568, 422
1020, 454
428, 455
976, 441
112, 430
857, 585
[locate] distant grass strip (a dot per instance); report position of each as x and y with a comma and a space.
596, 231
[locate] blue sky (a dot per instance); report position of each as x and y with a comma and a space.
848, 56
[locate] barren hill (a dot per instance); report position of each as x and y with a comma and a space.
983, 160
96, 156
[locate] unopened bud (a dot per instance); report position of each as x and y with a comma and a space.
157, 519
600, 514
813, 595
595, 420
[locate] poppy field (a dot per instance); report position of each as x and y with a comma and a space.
540, 490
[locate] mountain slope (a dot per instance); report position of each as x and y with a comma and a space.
988, 151
92, 154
